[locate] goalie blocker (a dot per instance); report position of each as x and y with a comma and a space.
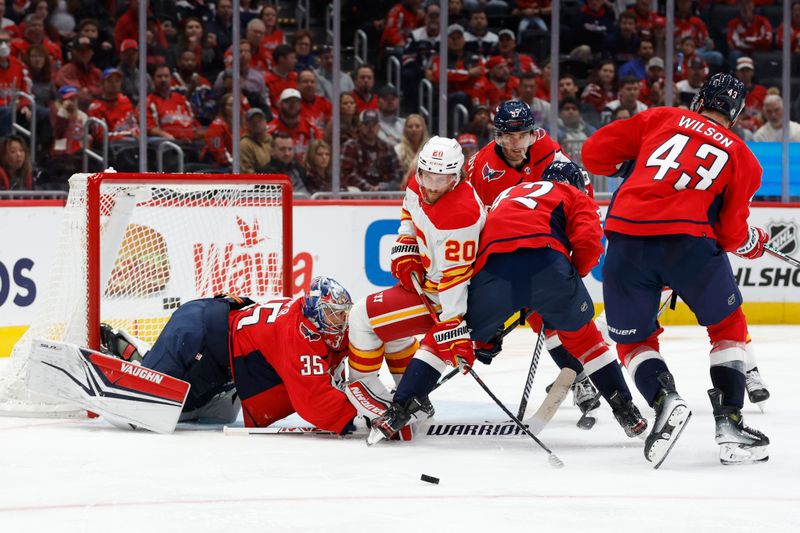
127, 395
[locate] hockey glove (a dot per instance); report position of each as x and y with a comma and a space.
407, 261
451, 341
485, 352
753, 247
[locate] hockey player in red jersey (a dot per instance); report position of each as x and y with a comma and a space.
521, 153
540, 239
440, 223
273, 359
684, 202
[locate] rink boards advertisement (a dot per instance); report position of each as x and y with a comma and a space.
349, 242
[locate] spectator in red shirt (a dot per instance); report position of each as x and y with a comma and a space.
258, 56
282, 75
498, 85
794, 31
364, 79
532, 13
34, 34
290, 121
748, 32
272, 35
402, 18
463, 69
13, 77
648, 22
115, 108
313, 108
751, 118
68, 124
127, 26
169, 114
6, 23
602, 87
687, 24
81, 73
219, 135
15, 165
517, 62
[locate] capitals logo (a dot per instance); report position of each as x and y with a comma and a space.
783, 236
309, 333
490, 174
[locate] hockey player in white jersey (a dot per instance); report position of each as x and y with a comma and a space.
440, 223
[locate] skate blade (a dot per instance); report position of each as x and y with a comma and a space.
732, 454
587, 420
374, 437
761, 406
661, 448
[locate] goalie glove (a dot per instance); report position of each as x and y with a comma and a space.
406, 261
753, 247
451, 342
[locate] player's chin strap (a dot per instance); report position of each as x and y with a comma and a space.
552, 458
780, 255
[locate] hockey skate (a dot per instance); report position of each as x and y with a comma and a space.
757, 391
586, 397
118, 343
628, 416
672, 414
397, 417
738, 444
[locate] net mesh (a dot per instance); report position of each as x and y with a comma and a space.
161, 245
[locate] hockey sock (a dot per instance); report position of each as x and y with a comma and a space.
727, 371
564, 359
646, 378
418, 380
731, 382
609, 379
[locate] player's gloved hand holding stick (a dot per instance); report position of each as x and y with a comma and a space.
753, 247
406, 261
467, 366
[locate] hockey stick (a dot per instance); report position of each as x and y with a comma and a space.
780, 255
526, 392
428, 428
551, 457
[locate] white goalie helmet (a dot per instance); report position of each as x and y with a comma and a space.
439, 167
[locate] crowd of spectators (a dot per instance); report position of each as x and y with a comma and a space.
80, 61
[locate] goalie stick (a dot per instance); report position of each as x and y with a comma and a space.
552, 458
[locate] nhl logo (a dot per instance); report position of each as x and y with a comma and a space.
783, 236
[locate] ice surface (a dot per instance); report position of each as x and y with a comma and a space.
84, 475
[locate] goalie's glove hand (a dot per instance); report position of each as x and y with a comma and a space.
753, 247
485, 352
451, 341
359, 424
406, 261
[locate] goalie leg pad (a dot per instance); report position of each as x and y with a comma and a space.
122, 392
369, 396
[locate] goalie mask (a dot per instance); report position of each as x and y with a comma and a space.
439, 167
327, 305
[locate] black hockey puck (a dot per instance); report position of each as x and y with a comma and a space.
429, 479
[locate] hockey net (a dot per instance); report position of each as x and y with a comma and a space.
134, 247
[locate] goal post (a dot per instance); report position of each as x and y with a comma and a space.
133, 247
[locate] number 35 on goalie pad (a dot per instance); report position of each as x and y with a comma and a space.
125, 394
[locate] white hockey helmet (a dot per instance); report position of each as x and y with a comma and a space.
444, 158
